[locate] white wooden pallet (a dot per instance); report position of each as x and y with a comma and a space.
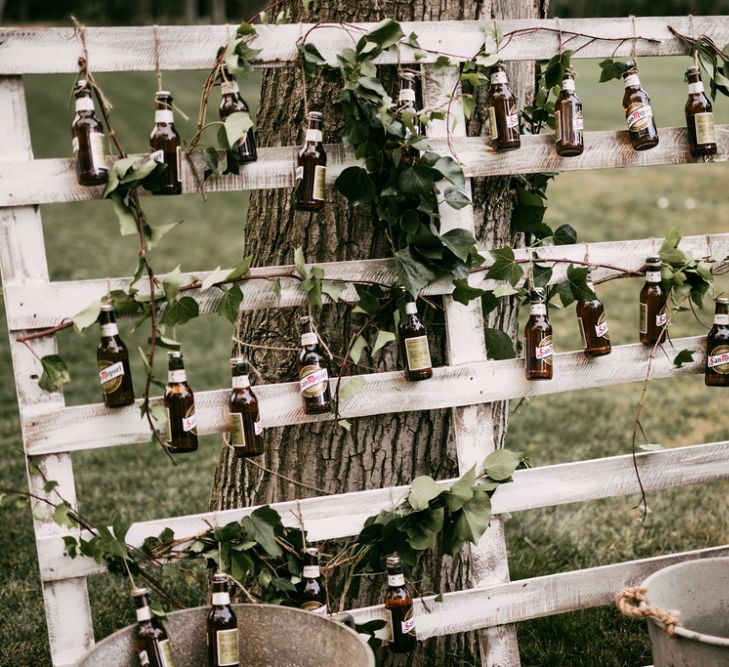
467, 385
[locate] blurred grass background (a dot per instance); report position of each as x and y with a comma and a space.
82, 241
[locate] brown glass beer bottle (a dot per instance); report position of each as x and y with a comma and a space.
502, 112
222, 627
313, 372
653, 305
115, 373
310, 593
538, 335
231, 101
699, 116
399, 609
406, 110
179, 402
151, 643
311, 168
165, 143
593, 325
568, 116
246, 432
414, 348
88, 139
716, 373
638, 112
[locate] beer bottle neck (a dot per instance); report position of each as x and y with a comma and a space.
721, 314
499, 77
568, 84
538, 308
221, 596
309, 338
632, 81
313, 132
84, 101
311, 571
395, 578
240, 381
653, 274
176, 375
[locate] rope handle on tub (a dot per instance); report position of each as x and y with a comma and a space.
629, 602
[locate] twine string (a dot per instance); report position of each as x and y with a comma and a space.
634, 603
635, 41
559, 35
157, 67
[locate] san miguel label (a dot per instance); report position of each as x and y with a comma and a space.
718, 360
110, 375
314, 381
545, 350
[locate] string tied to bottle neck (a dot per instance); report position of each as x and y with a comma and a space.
634, 42
84, 72
695, 39
559, 35
157, 48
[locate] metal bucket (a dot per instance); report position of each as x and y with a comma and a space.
699, 591
270, 636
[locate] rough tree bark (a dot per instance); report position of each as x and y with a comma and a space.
388, 449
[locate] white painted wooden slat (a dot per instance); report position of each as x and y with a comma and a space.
465, 342
39, 306
526, 599
23, 262
93, 426
49, 50
54, 180
343, 515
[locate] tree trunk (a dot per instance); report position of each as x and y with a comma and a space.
191, 16
379, 451
217, 12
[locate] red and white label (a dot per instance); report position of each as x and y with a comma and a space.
257, 428
512, 120
579, 124
110, 372
396, 579
189, 423
718, 359
317, 377
601, 329
544, 351
639, 114
661, 318
228, 87
407, 625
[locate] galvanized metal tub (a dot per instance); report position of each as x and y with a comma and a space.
699, 591
270, 636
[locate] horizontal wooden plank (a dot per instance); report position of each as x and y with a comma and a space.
40, 306
54, 180
93, 426
525, 599
343, 515
28, 50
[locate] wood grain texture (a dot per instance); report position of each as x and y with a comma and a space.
54, 180
123, 49
343, 515
23, 262
93, 426
36, 306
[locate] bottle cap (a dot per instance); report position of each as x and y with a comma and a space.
393, 561
692, 70
163, 93
722, 300
315, 115
106, 308
240, 363
138, 592
174, 354
538, 294
220, 577
82, 83
312, 551
653, 259
630, 68
407, 76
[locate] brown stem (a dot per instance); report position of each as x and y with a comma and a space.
288, 479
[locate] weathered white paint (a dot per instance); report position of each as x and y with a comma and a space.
44, 305
47, 50
472, 425
343, 515
91, 426
53, 180
525, 599
23, 262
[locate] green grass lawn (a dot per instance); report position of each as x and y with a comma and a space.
82, 241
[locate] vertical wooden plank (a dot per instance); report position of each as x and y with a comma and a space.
466, 343
23, 262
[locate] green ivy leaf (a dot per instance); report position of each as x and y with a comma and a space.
683, 357
500, 464
217, 275
240, 269
276, 283
356, 185
455, 198
123, 211
460, 242
86, 317
505, 267
171, 283
417, 180
351, 386
423, 530
411, 273
464, 293
423, 489
300, 263
565, 235
577, 281
236, 125
383, 338
385, 34
498, 344
230, 303
55, 373
181, 311
332, 289
63, 515
611, 69
669, 251
451, 171
155, 234
356, 348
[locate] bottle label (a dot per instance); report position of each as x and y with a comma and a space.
314, 381
309, 338
632, 80
84, 104
313, 136
568, 85
697, 87
644, 318
705, 132
96, 142
396, 579
498, 77
110, 329
721, 318
408, 625
638, 116
411, 308
538, 309
718, 360
512, 119
493, 127
582, 331
237, 434
320, 174
165, 650
110, 375
661, 318
178, 375
74, 145
221, 598
653, 276
315, 607
178, 157
229, 87
258, 427
164, 116
417, 351
579, 121
601, 328
545, 350
189, 422
299, 173
227, 645
558, 124
143, 658
240, 382
144, 614
406, 95
311, 571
